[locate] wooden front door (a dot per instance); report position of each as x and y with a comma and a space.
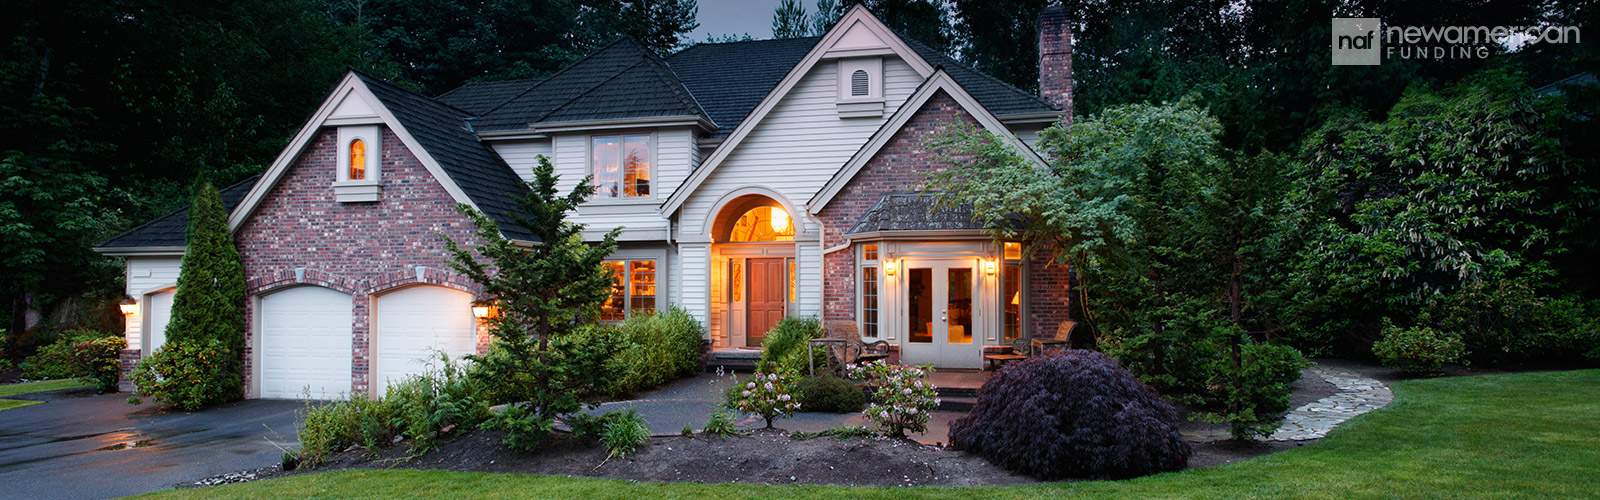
767, 299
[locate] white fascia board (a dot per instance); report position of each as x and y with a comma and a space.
140, 251
351, 84
939, 81
856, 14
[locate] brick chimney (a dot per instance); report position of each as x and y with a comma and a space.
1055, 58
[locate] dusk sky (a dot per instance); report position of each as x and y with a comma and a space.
721, 17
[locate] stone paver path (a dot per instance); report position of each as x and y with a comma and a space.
1357, 395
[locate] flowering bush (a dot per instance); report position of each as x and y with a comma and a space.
770, 395
903, 398
189, 374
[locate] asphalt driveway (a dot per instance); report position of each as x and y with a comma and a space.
83, 447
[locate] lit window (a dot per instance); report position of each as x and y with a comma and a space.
1013, 304
1013, 250
358, 160
791, 282
869, 302
633, 290
869, 252
763, 224
621, 166
736, 282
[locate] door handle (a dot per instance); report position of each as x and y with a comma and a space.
944, 315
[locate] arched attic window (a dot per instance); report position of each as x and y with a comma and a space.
859, 83
358, 160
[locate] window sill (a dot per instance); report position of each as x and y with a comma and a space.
362, 191
860, 108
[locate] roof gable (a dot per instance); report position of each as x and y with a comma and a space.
436, 134
857, 20
940, 81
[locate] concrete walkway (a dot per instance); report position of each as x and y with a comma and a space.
1357, 395
690, 402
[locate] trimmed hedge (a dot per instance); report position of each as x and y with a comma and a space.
1073, 414
662, 348
827, 393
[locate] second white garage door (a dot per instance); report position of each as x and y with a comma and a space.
413, 323
305, 343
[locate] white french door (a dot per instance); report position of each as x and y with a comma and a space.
941, 302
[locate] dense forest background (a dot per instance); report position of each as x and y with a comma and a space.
110, 110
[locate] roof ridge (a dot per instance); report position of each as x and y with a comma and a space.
374, 79
697, 44
553, 76
965, 66
685, 96
488, 82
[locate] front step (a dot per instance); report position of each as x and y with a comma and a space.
733, 359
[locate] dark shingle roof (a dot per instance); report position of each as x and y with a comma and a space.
621, 80
997, 96
481, 97
170, 230
913, 212
730, 79
442, 131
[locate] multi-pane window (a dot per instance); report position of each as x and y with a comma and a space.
762, 224
633, 290
621, 166
791, 282
1013, 304
869, 290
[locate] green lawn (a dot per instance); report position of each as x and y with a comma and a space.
1534, 435
40, 386
6, 404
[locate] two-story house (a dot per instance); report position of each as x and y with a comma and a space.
752, 181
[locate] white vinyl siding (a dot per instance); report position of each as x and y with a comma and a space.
522, 156
147, 275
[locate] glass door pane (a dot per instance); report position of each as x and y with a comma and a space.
919, 304
959, 306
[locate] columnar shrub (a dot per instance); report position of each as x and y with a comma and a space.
902, 399
1073, 414
785, 346
189, 374
1419, 350
1254, 392
770, 395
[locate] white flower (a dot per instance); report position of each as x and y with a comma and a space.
906, 391
784, 397
919, 384
913, 411
747, 394
751, 385
768, 385
884, 414
772, 377
936, 401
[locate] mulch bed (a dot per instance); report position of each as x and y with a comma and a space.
760, 457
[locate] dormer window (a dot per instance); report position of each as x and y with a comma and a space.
358, 160
358, 174
861, 87
622, 166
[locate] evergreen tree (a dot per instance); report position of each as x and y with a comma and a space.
210, 300
828, 12
543, 361
789, 20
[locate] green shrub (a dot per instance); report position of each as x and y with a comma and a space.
721, 423
524, 429
661, 348
332, 427
784, 348
426, 406
903, 398
1255, 393
1506, 323
1421, 350
621, 431
87, 354
189, 374
841, 432
770, 395
827, 393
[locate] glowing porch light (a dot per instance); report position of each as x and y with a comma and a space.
129, 306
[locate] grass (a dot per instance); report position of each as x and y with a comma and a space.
41, 386
6, 404
1531, 435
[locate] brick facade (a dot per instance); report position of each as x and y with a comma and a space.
300, 235
902, 165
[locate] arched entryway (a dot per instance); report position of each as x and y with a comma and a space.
753, 252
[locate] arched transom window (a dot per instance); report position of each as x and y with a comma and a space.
764, 223
358, 160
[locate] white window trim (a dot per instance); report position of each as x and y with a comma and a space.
862, 267
1022, 299
369, 189
663, 286
655, 181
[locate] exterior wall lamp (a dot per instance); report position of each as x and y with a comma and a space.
128, 305
888, 267
990, 266
483, 310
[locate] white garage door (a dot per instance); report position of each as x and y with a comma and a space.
413, 323
160, 314
305, 343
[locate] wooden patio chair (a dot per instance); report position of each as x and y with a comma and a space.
854, 350
1062, 340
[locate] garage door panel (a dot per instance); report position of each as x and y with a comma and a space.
415, 324
305, 343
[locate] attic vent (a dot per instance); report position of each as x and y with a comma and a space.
858, 83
